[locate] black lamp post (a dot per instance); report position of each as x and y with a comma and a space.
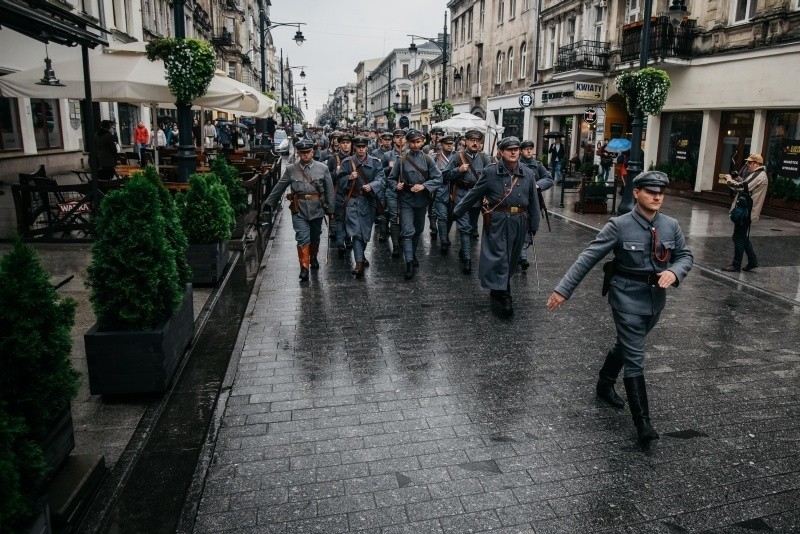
442, 44
187, 163
677, 11
388, 85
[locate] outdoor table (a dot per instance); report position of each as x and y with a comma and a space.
125, 171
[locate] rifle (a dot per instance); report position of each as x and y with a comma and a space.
543, 209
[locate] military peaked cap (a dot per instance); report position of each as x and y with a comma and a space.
654, 181
474, 134
508, 142
304, 145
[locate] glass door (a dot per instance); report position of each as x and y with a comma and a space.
736, 129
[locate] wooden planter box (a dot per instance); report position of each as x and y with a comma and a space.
591, 207
59, 442
139, 361
207, 262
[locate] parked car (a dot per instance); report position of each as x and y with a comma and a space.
281, 142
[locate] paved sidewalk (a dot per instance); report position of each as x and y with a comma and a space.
381, 405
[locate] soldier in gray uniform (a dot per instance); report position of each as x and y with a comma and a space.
650, 255
441, 199
389, 160
311, 197
414, 175
361, 181
335, 168
512, 210
461, 175
543, 181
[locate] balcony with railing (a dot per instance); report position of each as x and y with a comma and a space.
402, 107
666, 41
582, 60
424, 104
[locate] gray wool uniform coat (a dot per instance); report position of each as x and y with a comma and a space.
321, 184
464, 181
359, 208
410, 176
500, 248
630, 237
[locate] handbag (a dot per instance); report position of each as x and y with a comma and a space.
740, 214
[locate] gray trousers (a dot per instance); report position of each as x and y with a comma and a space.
631, 331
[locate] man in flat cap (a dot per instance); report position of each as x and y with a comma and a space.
650, 255
753, 182
414, 175
311, 197
507, 190
389, 160
360, 182
461, 175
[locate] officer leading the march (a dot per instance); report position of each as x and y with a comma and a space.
311, 197
650, 255
512, 211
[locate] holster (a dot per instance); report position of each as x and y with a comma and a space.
608, 273
487, 221
294, 203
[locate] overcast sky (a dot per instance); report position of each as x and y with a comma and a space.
340, 33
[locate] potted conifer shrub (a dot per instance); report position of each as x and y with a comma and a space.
37, 383
229, 176
207, 218
144, 311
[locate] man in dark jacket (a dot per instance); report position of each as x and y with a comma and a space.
105, 148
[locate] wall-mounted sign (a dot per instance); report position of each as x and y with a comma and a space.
589, 91
525, 100
590, 116
556, 95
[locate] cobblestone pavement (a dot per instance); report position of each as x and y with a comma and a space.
381, 405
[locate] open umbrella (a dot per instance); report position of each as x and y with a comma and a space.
462, 122
618, 145
553, 134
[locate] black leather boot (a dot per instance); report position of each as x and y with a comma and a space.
505, 301
466, 266
395, 236
640, 410
409, 271
608, 376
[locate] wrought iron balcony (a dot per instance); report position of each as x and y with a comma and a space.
424, 104
583, 55
403, 107
225, 38
666, 41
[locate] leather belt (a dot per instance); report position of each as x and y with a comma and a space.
305, 197
512, 209
462, 184
650, 279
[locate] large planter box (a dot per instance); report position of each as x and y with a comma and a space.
139, 361
591, 207
208, 262
59, 442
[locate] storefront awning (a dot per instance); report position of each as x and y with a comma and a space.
47, 22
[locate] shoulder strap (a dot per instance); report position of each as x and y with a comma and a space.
411, 161
303, 172
505, 196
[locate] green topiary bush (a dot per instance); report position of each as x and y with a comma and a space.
133, 275
229, 176
205, 210
36, 377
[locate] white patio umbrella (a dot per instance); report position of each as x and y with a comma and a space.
462, 122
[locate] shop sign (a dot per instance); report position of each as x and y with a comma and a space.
682, 150
590, 116
556, 95
790, 166
525, 100
589, 91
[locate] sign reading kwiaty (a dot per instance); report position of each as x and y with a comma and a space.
589, 91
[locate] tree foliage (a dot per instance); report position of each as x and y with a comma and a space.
205, 210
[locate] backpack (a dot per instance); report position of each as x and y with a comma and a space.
740, 214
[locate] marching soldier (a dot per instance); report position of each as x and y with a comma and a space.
543, 182
361, 182
311, 197
461, 175
389, 160
441, 199
431, 149
511, 211
384, 146
335, 168
650, 255
413, 176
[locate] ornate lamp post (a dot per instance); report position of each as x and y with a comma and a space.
388, 77
442, 44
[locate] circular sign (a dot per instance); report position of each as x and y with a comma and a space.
525, 100
590, 116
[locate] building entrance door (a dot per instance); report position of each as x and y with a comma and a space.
736, 130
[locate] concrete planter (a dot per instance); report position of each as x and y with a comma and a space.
207, 262
59, 442
139, 361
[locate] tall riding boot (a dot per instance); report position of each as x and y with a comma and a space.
304, 255
395, 235
640, 410
608, 376
444, 239
314, 250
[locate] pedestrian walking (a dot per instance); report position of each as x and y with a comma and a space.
650, 255
209, 135
141, 138
557, 155
390, 197
543, 182
442, 201
753, 183
461, 175
361, 182
414, 175
507, 190
105, 148
311, 198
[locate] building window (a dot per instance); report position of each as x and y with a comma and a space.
232, 70
461, 80
463, 30
523, 60
10, 137
634, 10
479, 71
482, 15
550, 58
469, 77
469, 25
527, 4
571, 31
510, 64
405, 70
46, 123
743, 10
499, 74
679, 143
501, 5
599, 17
512, 9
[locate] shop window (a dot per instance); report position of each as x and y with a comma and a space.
679, 145
46, 123
736, 129
513, 120
10, 137
782, 157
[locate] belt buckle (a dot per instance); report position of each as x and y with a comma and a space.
515, 209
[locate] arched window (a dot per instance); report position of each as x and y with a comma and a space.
510, 64
499, 74
523, 60
461, 80
469, 77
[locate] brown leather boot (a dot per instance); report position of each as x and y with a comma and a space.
358, 270
314, 248
304, 255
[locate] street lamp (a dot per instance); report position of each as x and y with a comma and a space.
388, 77
442, 44
677, 11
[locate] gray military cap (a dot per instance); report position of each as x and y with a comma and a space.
654, 181
508, 142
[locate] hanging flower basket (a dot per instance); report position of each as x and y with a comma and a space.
646, 88
390, 115
190, 66
443, 109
